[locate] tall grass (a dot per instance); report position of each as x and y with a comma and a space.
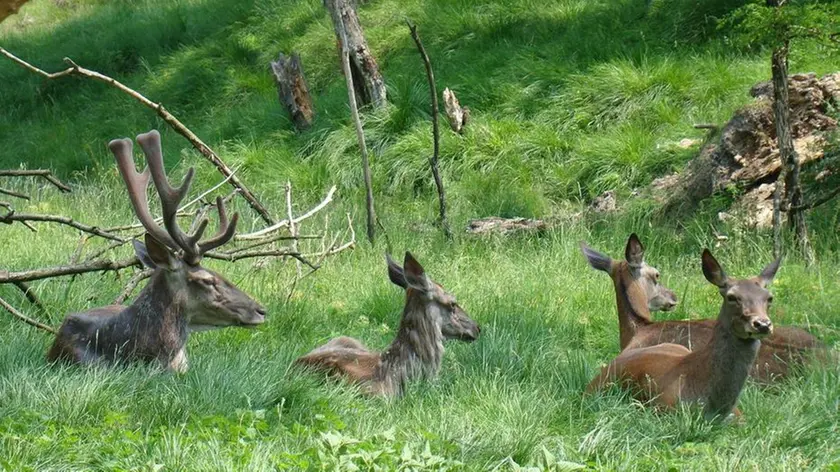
569, 98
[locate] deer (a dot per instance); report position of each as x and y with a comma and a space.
639, 292
181, 294
431, 314
713, 374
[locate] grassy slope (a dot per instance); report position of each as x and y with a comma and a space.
569, 98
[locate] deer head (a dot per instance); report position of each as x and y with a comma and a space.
745, 302
211, 301
454, 321
634, 274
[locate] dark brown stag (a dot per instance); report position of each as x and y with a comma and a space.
713, 374
430, 315
179, 295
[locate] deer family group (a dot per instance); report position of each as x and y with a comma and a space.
661, 363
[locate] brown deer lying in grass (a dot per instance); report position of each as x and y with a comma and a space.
713, 374
638, 292
179, 294
430, 315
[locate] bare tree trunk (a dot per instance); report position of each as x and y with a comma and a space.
360, 135
435, 131
369, 86
787, 154
292, 90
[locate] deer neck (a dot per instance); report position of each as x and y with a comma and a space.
156, 323
417, 349
729, 361
632, 305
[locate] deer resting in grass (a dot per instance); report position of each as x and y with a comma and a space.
180, 293
430, 315
713, 374
638, 292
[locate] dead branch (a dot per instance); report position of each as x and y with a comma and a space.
235, 256
261, 233
336, 249
132, 284
12, 193
47, 175
29, 294
25, 318
818, 202
169, 118
12, 217
49, 272
293, 229
435, 130
10, 209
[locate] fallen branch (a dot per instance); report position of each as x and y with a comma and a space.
29, 294
293, 230
37, 173
25, 318
49, 272
12, 193
132, 284
12, 217
818, 202
235, 256
261, 233
169, 118
10, 209
435, 130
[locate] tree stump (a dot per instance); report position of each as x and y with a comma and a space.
457, 116
368, 84
292, 90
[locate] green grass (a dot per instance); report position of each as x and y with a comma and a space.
569, 98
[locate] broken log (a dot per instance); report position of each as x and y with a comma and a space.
368, 84
458, 116
292, 90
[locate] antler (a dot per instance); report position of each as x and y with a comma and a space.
170, 198
137, 184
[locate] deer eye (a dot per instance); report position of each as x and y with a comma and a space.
731, 298
770, 299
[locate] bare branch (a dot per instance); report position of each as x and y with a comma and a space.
12, 193
433, 161
818, 202
25, 318
132, 284
261, 233
37, 173
235, 256
29, 294
169, 118
11, 217
293, 229
49, 272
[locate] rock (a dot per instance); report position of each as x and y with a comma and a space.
604, 203
755, 208
495, 224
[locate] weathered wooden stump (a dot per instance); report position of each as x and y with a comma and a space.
367, 81
457, 115
292, 90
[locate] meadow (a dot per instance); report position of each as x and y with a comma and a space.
569, 98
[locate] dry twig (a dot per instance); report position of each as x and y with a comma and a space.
47, 175
17, 314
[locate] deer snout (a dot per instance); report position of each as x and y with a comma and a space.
762, 326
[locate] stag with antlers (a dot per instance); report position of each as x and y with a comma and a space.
180, 294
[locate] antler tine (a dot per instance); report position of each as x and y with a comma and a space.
225, 232
137, 183
171, 197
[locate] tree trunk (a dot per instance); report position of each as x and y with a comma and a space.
292, 90
369, 86
787, 153
435, 132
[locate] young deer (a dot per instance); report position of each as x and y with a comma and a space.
713, 374
417, 350
180, 294
638, 292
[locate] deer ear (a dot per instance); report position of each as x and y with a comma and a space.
712, 270
395, 272
596, 260
634, 252
415, 276
769, 272
157, 254
143, 254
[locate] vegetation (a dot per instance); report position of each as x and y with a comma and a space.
568, 98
